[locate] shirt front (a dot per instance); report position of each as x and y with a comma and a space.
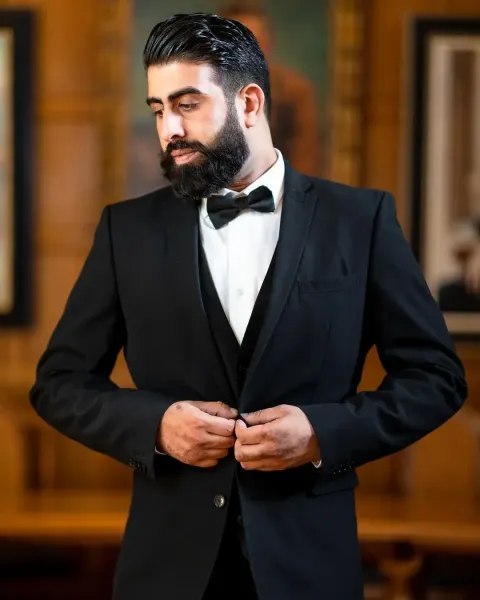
239, 254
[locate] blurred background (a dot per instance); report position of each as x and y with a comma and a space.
376, 93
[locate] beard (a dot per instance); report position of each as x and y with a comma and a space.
215, 167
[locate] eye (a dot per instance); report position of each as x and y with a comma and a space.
188, 107
157, 113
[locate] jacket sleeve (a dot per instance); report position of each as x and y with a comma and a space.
73, 391
425, 381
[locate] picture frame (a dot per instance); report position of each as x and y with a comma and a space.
443, 159
342, 107
16, 163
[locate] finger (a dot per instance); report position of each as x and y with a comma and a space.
206, 463
252, 453
253, 435
218, 425
218, 441
266, 415
213, 424
217, 409
216, 453
209, 455
240, 427
264, 465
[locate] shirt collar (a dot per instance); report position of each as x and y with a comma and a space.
273, 179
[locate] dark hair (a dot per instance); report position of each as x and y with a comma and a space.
227, 45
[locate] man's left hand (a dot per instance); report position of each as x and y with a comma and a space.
276, 439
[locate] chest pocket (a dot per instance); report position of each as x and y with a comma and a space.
326, 284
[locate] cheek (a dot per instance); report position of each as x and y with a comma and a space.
203, 128
158, 126
209, 120
218, 113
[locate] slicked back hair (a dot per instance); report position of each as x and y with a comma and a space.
226, 45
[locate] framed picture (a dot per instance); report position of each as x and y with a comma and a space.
315, 55
444, 164
16, 119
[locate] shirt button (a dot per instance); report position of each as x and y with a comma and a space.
219, 501
240, 292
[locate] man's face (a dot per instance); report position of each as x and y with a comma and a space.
203, 146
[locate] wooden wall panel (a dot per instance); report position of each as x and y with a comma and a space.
67, 145
385, 84
68, 195
445, 463
71, 195
72, 158
68, 48
385, 127
55, 278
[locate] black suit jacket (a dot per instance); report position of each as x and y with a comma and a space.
344, 279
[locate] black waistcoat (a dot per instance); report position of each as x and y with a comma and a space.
235, 357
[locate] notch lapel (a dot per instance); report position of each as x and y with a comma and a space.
297, 210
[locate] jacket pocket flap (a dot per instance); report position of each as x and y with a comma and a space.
327, 284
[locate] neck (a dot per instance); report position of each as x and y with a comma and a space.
255, 167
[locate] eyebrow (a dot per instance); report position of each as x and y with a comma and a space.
183, 92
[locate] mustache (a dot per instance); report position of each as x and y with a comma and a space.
184, 145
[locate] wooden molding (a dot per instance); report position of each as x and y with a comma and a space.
114, 36
346, 109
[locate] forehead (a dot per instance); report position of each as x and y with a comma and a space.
164, 80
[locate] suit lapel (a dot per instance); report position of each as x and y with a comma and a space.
182, 249
297, 211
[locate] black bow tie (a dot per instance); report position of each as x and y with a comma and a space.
223, 209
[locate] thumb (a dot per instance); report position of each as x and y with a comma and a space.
239, 426
260, 417
216, 409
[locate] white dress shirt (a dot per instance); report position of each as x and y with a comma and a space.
239, 253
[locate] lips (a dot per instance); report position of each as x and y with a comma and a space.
177, 153
182, 157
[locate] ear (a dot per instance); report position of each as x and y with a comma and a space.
253, 102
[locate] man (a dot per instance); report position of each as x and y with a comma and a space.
294, 122
245, 297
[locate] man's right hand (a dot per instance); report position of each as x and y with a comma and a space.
197, 433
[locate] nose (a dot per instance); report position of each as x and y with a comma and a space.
170, 127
